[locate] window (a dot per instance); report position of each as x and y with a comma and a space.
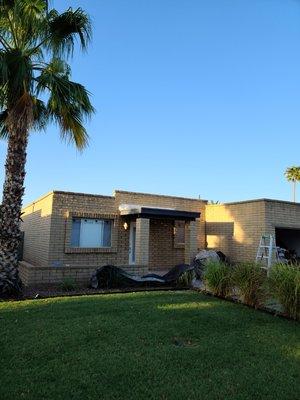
179, 233
91, 233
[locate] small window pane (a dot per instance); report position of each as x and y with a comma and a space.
107, 234
75, 234
90, 233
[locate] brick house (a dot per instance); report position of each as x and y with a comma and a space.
71, 234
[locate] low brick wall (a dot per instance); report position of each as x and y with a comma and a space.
32, 275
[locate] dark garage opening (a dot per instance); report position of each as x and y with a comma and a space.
289, 239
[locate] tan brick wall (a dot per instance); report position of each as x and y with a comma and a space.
47, 226
65, 205
37, 227
282, 215
235, 228
142, 241
178, 203
35, 275
163, 253
191, 241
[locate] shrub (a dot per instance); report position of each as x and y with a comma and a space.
68, 284
284, 286
185, 280
218, 278
250, 282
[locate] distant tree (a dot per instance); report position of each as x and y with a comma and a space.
292, 174
35, 89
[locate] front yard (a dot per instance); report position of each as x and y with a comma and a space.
155, 345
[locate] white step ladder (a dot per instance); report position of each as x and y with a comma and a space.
267, 252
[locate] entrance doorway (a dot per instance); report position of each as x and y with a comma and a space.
132, 238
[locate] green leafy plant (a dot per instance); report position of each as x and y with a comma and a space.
250, 282
284, 286
218, 278
68, 284
185, 280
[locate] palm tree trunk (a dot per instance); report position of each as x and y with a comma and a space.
294, 191
10, 233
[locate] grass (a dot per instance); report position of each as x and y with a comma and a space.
155, 345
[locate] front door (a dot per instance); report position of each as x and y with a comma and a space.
132, 235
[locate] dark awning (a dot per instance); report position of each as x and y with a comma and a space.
153, 212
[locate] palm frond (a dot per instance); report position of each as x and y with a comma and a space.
33, 9
28, 29
65, 27
70, 121
3, 96
31, 22
16, 72
40, 118
4, 70
55, 78
41, 115
56, 68
3, 128
6, 5
69, 104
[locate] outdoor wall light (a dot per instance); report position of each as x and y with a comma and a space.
125, 226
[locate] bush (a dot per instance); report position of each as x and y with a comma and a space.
284, 286
68, 284
250, 282
218, 278
185, 280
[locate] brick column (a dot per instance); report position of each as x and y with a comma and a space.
191, 241
142, 241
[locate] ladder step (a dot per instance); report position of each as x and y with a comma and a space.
267, 249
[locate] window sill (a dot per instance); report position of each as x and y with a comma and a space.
179, 246
89, 250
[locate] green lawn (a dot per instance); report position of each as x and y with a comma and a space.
155, 345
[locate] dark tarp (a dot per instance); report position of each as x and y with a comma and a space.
109, 276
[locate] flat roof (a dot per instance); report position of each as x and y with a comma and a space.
161, 195
157, 195
258, 200
66, 192
155, 212
52, 192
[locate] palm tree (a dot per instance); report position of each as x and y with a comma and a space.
35, 89
292, 174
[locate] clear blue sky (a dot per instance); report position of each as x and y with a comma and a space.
192, 97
